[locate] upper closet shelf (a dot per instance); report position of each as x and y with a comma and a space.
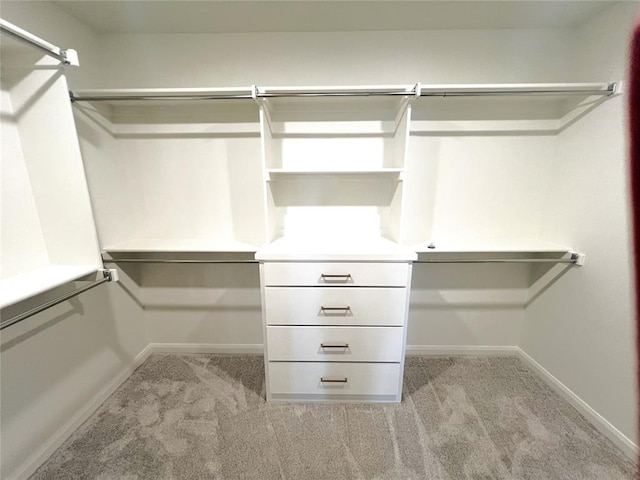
169, 112
23, 286
541, 108
416, 90
502, 89
180, 245
133, 94
337, 91
442, 108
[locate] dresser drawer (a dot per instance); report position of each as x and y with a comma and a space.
335, 306
335, 344
335, 274
313, 380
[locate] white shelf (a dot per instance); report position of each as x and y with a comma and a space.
335, 249
23, 286
202, 129
543, 108
310, 128
497, 246
513, 88
179, 245
286, 174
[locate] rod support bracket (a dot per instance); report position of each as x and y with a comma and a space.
110, 273
69, 57
615, 88
578, 258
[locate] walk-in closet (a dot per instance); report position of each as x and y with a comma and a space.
304, 239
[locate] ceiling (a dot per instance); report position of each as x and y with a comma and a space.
248, 16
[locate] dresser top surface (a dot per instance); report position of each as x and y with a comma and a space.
335, 249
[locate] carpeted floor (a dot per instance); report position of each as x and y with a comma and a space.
205, 417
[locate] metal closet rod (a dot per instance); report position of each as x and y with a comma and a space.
67, 56
29, 313
97, 98
572, 260
552, 89
173, 260
610, 90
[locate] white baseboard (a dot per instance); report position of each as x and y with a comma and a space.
62, 434
598, 421
240, 348
480, 350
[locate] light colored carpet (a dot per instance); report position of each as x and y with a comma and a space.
205, 417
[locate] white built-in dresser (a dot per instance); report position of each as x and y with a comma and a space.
335, 320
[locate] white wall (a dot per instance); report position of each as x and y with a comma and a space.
582, 328
366, 58
54, 364
203, 304
55, 26
458, 318
462, 307
177, 185
482, 188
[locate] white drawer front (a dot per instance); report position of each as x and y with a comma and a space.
290, 378
335, 344
336, 274
335, 306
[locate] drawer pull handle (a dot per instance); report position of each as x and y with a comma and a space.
346, 276
333, 380
334, 345
333, 309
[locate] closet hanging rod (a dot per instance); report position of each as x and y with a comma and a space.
571, 260
67, 56
99, 98
540, 89
589, 89
174, 260
29, 313
335, 94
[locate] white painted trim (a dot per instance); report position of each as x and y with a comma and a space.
598, 421
483, 350
63, 433
206, 348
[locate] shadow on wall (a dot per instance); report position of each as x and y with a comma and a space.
56, 361
196, 287
199, 303
17, 68
474, 304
